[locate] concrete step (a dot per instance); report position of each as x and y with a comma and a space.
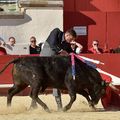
11, 15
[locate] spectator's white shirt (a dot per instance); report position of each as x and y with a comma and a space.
9, 49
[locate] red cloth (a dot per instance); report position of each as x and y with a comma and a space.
2, 51
111, 100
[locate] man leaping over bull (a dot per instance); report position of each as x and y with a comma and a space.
59, 43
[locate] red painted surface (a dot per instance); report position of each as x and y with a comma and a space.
5, 77
101, 17
111, 62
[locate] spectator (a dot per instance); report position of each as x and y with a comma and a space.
2, 49
10, 45
95, 48
116, 50
34, 49
12, 41
76, 47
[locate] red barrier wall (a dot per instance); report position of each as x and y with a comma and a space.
111, 65
6, 77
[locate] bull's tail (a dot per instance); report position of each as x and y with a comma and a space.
12, 61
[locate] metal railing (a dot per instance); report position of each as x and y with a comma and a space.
8, 1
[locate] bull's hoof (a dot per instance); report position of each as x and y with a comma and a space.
8, 105
64, 109
60, 109
47, 110
93, 107
33, 107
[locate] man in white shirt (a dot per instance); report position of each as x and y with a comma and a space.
10, 45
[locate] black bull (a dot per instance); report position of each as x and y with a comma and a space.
55, 72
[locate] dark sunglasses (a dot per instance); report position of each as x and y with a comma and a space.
33, 41
95, 44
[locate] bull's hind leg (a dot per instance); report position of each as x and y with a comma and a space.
14, 90
33, 102
35, 98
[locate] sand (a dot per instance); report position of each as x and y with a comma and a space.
79, 111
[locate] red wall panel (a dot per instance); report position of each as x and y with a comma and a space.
97, 5
106, 5
101, 17
113, 28
69, 5
98, 30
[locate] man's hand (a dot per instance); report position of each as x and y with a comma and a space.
73, 43
96, 48
63, 53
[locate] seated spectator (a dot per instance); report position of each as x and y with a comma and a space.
116, 50
34, 49
2, 49
9, 46
95, 48
76, 47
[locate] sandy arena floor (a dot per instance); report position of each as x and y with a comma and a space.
79, 111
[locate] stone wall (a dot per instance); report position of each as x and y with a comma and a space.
37, 22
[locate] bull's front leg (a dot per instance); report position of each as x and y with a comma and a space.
72, 99
85, 94
92, 103
70, 84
